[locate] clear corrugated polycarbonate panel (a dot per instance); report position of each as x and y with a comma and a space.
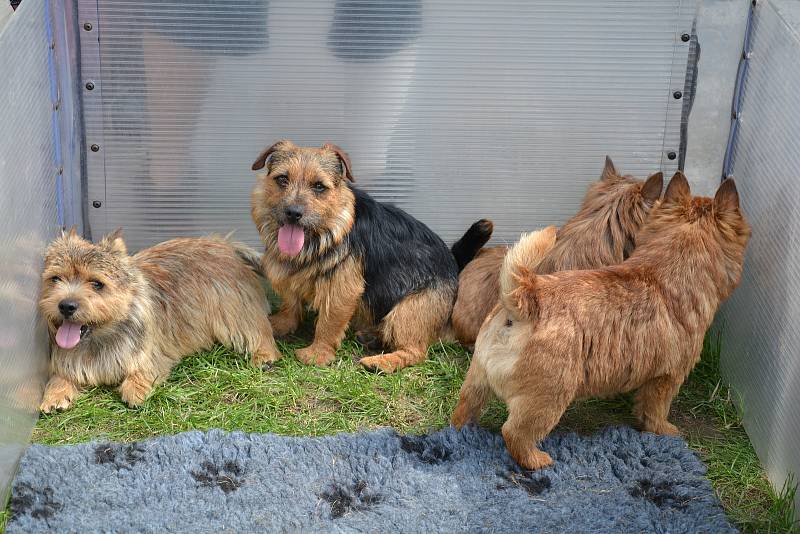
761, 338
453, 110
27, 222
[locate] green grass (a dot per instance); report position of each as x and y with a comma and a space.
219, 389
706, 410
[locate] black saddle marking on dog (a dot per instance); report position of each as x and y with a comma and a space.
525, 480
347, 498
120, 455
36, 502
426, 452
228, 478
662, 494
401, 255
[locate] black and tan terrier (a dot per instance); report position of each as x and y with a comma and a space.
124, 320
349, 257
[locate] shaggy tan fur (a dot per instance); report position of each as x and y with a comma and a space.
595, 333
601, 233
143, 313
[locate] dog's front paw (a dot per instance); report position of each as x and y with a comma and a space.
265, 356
316, 355
56, 402
58, 395
135, 389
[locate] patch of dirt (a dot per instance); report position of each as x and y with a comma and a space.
696, 427
587, 417
314, 402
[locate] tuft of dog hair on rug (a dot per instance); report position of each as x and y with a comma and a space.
616, 481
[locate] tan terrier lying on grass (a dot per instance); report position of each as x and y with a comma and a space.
127, 320
596, 333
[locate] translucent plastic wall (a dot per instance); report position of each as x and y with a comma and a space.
454, 110
29, 173
761, 323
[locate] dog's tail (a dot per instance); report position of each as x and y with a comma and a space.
250, 257
471, 242
518, 275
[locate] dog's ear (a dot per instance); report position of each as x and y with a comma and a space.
344, 159
72, 232
114, 243
678, 188
609, 172
651, 190
727, 197
261, 160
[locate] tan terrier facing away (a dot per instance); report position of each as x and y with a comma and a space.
601, 233
127, 320
595, 333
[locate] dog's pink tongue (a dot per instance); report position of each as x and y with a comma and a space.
290, 239
68, 335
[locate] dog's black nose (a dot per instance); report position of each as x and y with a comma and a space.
67, 307
294, 213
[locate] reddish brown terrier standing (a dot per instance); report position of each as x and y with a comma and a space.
127, 320
601, 233
349, 257
596, 333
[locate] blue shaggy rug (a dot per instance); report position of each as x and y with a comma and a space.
616, 481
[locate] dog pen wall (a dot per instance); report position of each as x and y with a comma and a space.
452, 110
30, 173
759, 325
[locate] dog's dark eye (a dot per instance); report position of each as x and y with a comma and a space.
319, 187
98, 285
282, 180
55, 279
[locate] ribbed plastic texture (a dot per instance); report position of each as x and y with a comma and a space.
27, 221
454, 110
761, 338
